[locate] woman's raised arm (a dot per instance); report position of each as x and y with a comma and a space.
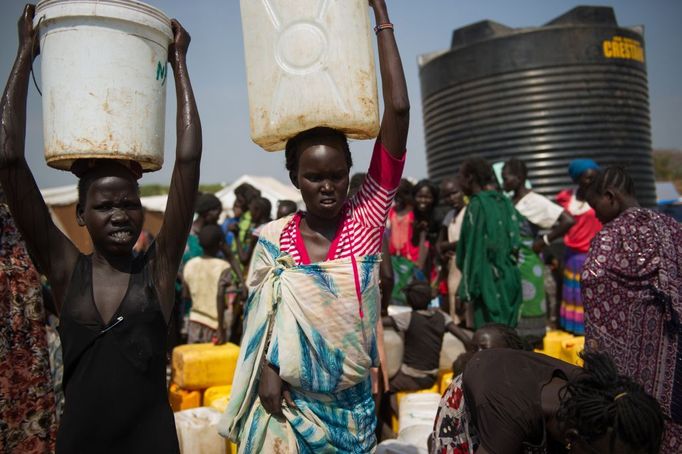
395, 121
185, 180
54, 254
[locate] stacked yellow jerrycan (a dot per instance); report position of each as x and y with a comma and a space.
198, 367
202, 377
564, 346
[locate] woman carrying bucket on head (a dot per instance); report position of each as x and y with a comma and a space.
114, 308
303, 377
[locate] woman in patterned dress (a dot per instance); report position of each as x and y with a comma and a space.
28, 421
632, 290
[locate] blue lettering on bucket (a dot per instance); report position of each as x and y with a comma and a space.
161, 72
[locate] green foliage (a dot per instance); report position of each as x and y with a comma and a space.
210, 187
153, 189
668, 166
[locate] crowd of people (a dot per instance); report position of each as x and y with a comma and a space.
309, 294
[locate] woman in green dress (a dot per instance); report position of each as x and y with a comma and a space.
488, 248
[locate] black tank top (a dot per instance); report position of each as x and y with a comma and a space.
115, 375
424, 340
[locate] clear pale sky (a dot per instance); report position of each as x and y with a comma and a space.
216, 64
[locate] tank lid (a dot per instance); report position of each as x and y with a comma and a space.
587, 15
479, 31
487, 29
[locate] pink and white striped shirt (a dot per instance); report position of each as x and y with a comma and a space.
364, 215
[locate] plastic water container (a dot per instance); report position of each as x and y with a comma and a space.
201, 366
197, 431
552, 342
103, 80
309, 63
571, 348
419, 409
394, 348
450, 351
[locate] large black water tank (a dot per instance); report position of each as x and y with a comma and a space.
575, 87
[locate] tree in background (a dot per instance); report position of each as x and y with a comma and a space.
668, 166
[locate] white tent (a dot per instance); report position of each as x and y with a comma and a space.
62, 201
666, 193
60, 196
270, 188
68, 195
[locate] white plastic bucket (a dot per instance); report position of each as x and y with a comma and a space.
309, 63
104, 69
197, 430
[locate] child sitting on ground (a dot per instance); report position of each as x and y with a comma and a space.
424, 329
206, 279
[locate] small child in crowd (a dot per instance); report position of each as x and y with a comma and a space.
206, 279
285, 208
424, 329
260, 209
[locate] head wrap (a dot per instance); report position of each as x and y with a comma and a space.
207, 202
579, 166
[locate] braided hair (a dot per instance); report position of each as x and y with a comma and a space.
615, 177
599, 399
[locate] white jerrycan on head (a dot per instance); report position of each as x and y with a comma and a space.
309, 63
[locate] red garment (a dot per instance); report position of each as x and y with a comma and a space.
586, 225
400, 239
364, 218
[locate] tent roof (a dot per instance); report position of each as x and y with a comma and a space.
60, 196
270, 188
155, 203
666, 192
68, 195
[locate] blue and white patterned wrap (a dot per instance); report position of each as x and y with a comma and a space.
322, 346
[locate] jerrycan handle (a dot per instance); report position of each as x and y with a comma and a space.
35, 36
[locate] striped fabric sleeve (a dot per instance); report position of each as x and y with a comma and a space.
373, 201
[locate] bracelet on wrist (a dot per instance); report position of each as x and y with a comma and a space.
384, 26
545, 239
